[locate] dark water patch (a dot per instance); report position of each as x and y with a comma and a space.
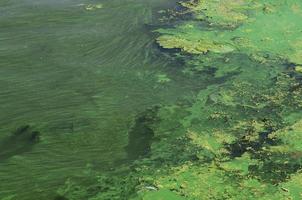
20, 141
172, 14
282, 171
141, 134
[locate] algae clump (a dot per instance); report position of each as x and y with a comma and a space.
220, 12
259, 35
298, 69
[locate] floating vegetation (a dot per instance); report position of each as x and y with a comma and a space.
227, 13
194, 47
253, 33
298, 69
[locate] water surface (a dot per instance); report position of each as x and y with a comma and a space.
79, 77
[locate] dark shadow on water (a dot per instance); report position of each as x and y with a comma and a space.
141, 134
20, 141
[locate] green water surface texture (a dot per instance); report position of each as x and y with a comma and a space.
78, 75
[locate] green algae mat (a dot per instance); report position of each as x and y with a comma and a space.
151, 100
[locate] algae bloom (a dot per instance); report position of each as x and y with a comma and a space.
151, 100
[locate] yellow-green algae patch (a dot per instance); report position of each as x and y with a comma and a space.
193, 47
273, 27
298, 69
221, 12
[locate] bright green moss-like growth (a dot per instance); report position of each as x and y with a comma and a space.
229, 13
193, 47
273, 29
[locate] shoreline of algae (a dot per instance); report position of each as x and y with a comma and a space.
237, 139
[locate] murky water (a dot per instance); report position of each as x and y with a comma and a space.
78, 76
137, 99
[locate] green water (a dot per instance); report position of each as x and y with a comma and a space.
78, 77
150, 100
